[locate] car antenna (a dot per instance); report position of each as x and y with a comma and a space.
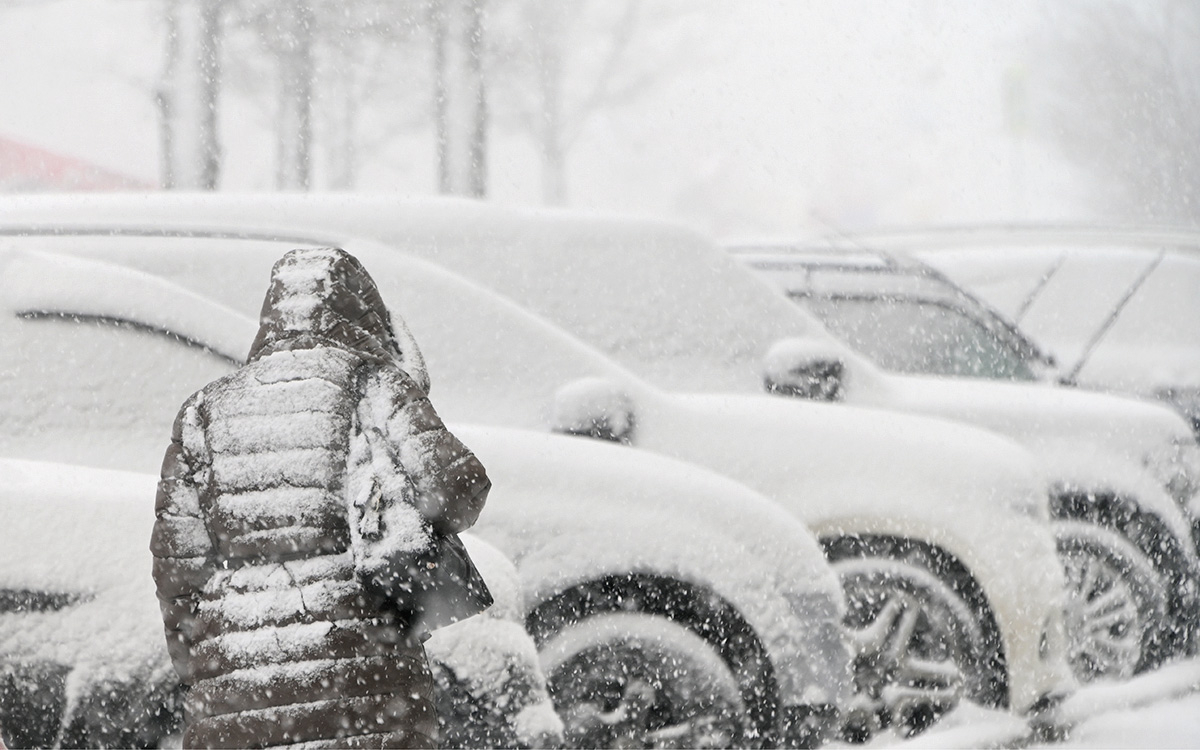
1110, 321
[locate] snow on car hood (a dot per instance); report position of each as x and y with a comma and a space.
824, 460
606, 509
84, 533
591, 478
1081, 439
1038, 415
856, 472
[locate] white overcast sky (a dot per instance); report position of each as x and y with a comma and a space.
797, 116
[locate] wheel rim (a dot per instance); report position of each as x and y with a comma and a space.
623, 689
911, 641
1103, 619
1118, 604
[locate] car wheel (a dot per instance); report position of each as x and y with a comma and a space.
917, 647
629, 679
1117, 603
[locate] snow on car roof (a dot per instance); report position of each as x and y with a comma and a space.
36, 284
655, 296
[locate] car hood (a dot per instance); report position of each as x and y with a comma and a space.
568, 482
1080, 439
570, 510
827, 460
1036, 414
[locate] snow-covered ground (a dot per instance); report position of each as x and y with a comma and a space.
1160, 709
1174, 722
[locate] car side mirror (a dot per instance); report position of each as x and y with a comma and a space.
804, 369
596, 408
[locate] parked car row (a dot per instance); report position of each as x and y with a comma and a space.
910, 319
767, 539
96, 352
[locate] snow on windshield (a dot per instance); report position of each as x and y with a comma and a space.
35, 283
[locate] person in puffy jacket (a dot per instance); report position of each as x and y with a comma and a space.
306, 526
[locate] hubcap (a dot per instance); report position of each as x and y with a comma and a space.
630, 694
907, 669
1103, 620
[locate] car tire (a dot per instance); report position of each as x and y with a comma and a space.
1168, 553
918, 648
632, 679
1118, 604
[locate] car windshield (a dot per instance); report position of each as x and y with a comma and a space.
919, 337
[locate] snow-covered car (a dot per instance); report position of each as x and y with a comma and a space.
670, 605
675, 308
908, 318
935, 527
83, 660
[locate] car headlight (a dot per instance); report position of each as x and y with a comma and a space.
1177, 466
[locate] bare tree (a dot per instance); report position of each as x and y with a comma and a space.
1124, 102
293, 46
187, 95
460, 96
316, 67
371, 62
561, 62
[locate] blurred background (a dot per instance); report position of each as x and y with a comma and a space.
752, 117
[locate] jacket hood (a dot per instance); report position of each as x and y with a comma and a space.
325, 297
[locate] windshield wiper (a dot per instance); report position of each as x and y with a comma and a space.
1037, 289
1110, 321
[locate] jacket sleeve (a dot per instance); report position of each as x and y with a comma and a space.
450, 483
184, 556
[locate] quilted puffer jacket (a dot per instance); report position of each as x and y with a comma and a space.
299, 514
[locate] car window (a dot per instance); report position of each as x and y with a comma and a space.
919, 337
95, 377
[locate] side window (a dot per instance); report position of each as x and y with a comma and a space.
92, 390
917, 337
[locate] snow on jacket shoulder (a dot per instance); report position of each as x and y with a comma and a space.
292, 491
